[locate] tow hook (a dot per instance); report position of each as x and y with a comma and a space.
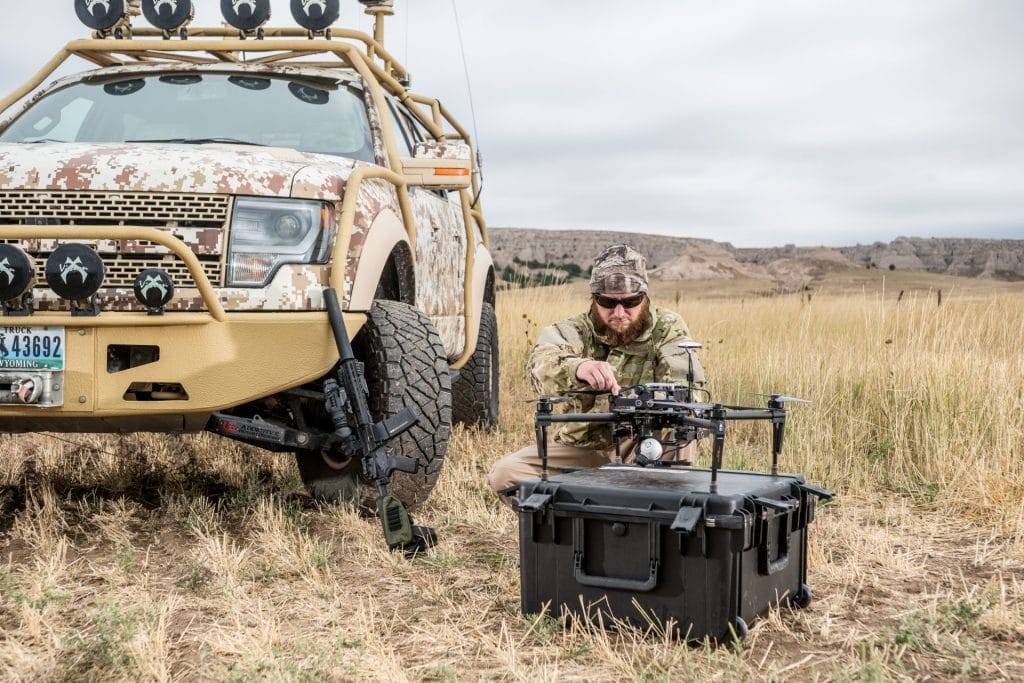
26, 390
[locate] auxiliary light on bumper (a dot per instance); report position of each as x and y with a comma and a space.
75, 272
17, 275
154, 289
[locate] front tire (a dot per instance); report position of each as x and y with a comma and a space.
405, 365
475, 392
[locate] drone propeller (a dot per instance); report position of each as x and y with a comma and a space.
678, 404
784, 399
550, 399
698, 406
587, 392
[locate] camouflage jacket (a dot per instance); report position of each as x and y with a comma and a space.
654, 356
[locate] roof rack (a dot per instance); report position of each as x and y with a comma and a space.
222, 45
278, 45
346, 49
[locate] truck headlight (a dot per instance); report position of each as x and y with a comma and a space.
266, 233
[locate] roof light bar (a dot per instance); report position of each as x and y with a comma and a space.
101, 15
170, 16
248, 16
316, 15
112, 17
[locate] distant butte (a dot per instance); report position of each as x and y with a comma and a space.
527, 250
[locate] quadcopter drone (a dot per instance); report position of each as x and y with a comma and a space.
647, 412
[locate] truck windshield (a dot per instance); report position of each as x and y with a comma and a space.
309, 116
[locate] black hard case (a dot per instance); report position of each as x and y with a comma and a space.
653, 545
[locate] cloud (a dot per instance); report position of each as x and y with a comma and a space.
759, 123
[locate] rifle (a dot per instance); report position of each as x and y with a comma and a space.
347, 402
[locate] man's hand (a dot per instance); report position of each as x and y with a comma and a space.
599, 375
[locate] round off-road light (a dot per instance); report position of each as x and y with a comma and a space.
75, 272
316, 15
245, 15
168, 15
154, 288
17, 272
649, 449
100, 15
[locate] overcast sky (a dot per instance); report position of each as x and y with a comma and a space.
754, 122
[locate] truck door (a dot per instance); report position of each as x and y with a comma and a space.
440, 245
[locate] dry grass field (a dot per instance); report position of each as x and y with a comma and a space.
160, 558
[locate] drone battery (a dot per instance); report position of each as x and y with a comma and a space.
654, 546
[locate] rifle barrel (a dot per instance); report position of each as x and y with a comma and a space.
338, 324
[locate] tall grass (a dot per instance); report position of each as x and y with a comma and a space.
149, 557
910, 397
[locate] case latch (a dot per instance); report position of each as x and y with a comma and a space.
687, 520
534, 503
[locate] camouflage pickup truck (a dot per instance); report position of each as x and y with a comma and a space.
170, 219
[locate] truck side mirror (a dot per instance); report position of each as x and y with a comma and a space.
437, 165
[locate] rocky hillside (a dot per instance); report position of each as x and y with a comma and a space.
526, 253
995, 259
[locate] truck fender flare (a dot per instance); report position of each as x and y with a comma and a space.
483, 269
385, 234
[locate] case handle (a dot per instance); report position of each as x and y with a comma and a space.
776, 566
775, 531
638, 585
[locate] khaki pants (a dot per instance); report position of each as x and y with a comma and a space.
524, 464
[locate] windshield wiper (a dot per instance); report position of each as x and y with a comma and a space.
198, 141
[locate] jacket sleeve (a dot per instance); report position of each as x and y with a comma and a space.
673, 361
553, 362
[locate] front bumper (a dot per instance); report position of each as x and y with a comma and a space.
217, 364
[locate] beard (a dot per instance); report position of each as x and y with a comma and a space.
626, 336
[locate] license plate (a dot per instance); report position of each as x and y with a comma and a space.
31, 348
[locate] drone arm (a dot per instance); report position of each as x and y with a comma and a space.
583, 417
718, 445
748, 414
544, 412
778, 410
778, 430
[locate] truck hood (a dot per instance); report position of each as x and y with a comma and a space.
156, 167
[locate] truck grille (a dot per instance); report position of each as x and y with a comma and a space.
121, 272
114, 208
199, 220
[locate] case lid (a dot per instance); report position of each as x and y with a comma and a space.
646, 491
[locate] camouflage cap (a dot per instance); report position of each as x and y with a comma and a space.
619, 269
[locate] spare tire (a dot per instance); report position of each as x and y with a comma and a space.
405, 365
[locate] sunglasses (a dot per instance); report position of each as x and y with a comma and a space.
628, 302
